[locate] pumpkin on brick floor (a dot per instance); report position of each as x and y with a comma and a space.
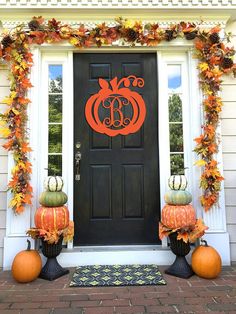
178, 197
26, 265
178, 216
52, 198
206, 261
51, 218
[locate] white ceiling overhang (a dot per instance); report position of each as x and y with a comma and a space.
160, 4
212, 12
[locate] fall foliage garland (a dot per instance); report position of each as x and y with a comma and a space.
215, 59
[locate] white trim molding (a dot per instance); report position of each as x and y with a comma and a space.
160, 4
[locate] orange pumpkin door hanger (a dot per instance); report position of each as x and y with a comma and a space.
116, 109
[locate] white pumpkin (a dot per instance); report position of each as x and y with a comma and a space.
177, 182
53, 184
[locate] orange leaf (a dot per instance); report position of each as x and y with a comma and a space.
25, 148
183, 236
27, 199
19, 209
215, 29
199, 44
199, 139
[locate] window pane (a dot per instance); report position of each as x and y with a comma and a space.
174, 76
55, 139
176, 138
55, 78
175, 108
55, 108
55, 165
177, 164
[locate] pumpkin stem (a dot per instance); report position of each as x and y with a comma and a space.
29, 245
205, 242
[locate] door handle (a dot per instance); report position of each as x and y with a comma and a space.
78, 157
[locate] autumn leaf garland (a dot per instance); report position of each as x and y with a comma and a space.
215, 59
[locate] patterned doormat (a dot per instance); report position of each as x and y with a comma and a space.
117, 275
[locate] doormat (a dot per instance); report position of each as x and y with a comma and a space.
117, 275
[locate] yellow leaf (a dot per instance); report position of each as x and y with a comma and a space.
13, 94
24, 65
3, 123
200, 163
16, 112
74, 41
203, 66
216, 72
13, 203
129, 24
5, 132
7, 101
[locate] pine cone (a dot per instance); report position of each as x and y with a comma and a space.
190, 35
169, 34
227, 63
34, 25
22, 179
214, 38
131, 34
7, 41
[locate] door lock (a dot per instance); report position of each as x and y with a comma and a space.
78, 157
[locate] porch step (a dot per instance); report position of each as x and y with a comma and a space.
116, 255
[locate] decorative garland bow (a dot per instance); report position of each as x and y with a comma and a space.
215, 59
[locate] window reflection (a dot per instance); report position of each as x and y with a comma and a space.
55, 89
175, 119
176, 138
175, 108
55, 108
177, 164
55, 165
174, 76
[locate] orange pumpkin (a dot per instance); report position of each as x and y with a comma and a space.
178, 216
26, 265
111, 102
206, 261
51, 218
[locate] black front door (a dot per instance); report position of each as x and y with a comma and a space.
116, 200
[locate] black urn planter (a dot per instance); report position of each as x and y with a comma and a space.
180, 267
52, 269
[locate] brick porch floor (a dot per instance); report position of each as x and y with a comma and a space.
194, 295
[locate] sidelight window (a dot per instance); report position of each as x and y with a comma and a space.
55, 102
175, 108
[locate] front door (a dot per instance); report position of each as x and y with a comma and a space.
116, 200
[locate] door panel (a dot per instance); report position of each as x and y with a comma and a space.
117, 199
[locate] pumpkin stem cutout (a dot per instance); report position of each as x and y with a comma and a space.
29, 245
204, 242
116, 109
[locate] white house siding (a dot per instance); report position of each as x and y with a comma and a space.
4, 91
229, 150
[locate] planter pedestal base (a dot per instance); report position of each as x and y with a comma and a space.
180, 268
52, 270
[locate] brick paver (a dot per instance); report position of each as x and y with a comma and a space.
194, 295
